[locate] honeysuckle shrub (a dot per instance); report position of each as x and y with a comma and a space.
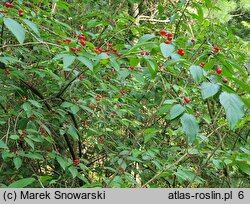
102, 98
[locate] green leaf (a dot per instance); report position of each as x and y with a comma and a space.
190, 127
30, 142
22, 183
17, 162
72, 132
35, 103
73, 171
62, 162
33, 156
32, 26
68, 60
145, 38
176, 110
149, 134
166, 49
233, 106
86, 62
16, 29
209, 89
3, 145
245, 167
196, 72
153, 67
114, 64
74, 109
243, 85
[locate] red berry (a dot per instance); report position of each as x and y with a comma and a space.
76, 162
68, 40
169, 35
98, 97
81, 28
45, 135
7, 71
58, 42
24, 99
225, 80
216, 49
81, 77
186, 99
73, 49
160, 66
180, 50
142, 53
219, 71
82, 43
131, 68
41, 129
76, 99
21, 136
108, 53
147, 53
32, 117
193, 40
96, 50
107, 78
109, 45
123, 92
20, 10
123, 172
64, 40
166, 41
114, 50
81, 37
170, 38
163, 32
79, 49
86, 124
119, 55
202, 64
24, 132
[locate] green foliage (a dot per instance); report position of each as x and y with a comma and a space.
97, 97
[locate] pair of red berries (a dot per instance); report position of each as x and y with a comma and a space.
202, 64
98, 97
123, 92
76, 162
167, 34
8, 5
181, 52
7, 71
81, 77
67, 40
20, 12
24, 99
216, 49
145, 53
73, 49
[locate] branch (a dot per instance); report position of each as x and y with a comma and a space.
182, 14
147, 18
67, 85
36, 92
31, 43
